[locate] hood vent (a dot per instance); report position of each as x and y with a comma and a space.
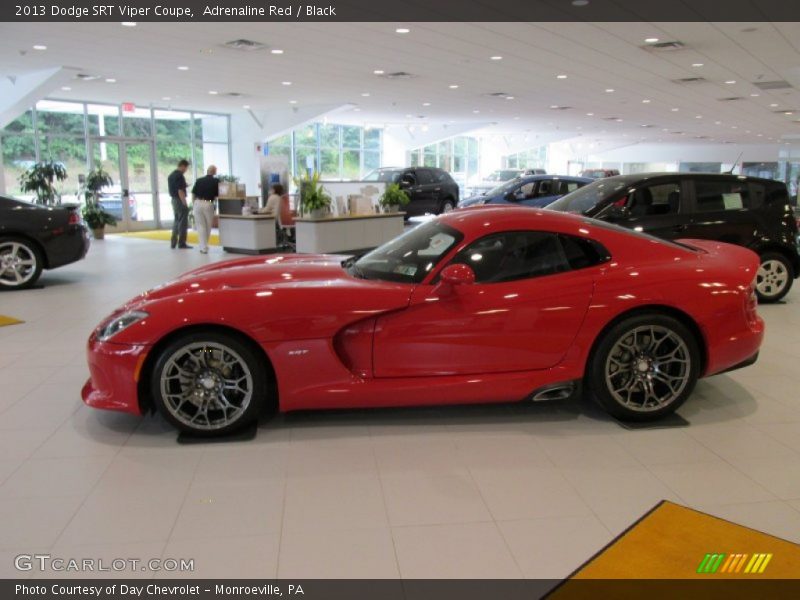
772, 85
244, 45
665, 46
690, 80
730, 99
87, 77
398, 75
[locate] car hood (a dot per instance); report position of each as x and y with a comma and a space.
473, 200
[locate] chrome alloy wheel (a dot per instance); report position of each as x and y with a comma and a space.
17, 264
206, 386
648, 368
771, 278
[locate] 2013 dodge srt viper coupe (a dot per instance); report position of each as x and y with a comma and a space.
479, 305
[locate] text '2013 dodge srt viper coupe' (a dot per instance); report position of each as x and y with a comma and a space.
479, 305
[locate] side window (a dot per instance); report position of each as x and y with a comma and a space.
568, 186
581, 253
526, 191
715, 196
660, 199
514, 255
425, 176
546, 187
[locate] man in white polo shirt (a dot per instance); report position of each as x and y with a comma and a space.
204, 194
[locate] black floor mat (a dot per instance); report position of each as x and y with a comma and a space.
669, 421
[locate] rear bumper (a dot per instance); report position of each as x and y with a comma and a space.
736, 349
745, 363
113, 381
69, 247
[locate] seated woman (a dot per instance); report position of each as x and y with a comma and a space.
272, 207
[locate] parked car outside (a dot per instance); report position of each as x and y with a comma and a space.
34, 237
432, 191
531, 190
498, 177
111, 199
599, 173
746, 211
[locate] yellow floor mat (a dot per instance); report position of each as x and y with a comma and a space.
4, 320
675, 542
164, 235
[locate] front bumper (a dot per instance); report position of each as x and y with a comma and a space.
114, 376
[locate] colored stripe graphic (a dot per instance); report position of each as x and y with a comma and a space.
710, 563
734, 563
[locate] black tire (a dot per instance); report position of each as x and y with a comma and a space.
28, 251
606, 355
247, 362
447, 206
775, 277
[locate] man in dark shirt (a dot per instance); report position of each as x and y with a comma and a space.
204, 193
177, 191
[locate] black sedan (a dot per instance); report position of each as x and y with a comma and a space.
34, 237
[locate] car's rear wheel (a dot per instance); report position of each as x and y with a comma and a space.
20, 263
209, 384
644, 367
774, 278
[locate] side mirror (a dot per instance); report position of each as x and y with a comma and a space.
511, 196
457, 275
405, 183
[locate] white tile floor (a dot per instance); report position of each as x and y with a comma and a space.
526, 491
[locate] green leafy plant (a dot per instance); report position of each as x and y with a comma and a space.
394, 195
228, 179
93, 213
312, 194
40, 179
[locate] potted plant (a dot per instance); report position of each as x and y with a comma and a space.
229, 187
40, 179
314, 201
393, 198
93, 213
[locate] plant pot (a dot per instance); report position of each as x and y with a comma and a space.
99, 233
318, 213
392, 208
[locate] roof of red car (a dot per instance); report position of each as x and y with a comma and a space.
481, 217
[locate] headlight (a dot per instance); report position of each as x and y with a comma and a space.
117, 324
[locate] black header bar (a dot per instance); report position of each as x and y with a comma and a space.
401, 11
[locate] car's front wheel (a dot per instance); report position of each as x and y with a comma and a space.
644, 367
20, 263
447, 206
774, 278
209, 384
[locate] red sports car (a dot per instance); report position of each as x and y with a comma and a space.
479, 305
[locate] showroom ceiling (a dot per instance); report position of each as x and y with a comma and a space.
600, 80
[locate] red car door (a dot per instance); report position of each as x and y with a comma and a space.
522, 313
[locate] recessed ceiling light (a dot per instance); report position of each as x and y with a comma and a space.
674, 109
645, 101
213, 92
379, 71
357, 110
651, 40
760, 135
40, 47
496, 57
295, 102
286, 83
402, 30
111, 80
698, 116
453, 86
609, 90
730, 81
509, 97
580, 3
773, 105
246, 107
554, 106
183, 68
129, 24
476, 111
589, 114
696, 65
788, 112
365, 94
426, 104
166, 98
562, 76
717, 122
66, 88
276, 51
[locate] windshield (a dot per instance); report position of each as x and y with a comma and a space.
390, 175
508, 186
410, 257
585, 198
503, 175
